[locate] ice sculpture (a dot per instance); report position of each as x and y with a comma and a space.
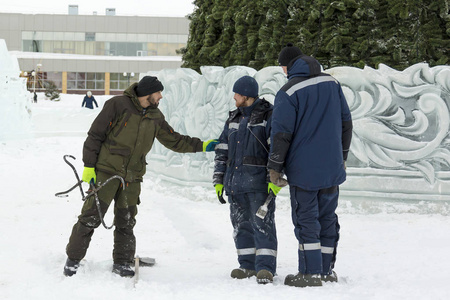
400, 135
15, 101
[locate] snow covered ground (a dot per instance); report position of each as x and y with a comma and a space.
395, 253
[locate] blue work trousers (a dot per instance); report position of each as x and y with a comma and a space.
255, 238
316, 228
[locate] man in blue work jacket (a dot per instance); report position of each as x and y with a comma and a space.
311, 135
240, 169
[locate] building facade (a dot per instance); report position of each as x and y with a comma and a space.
102, 54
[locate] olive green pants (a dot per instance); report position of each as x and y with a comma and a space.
125, 211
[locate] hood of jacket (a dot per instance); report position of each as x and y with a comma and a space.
131, 93
304, 66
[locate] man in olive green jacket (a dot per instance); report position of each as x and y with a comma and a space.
117, 144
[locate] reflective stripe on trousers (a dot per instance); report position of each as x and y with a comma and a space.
250, 251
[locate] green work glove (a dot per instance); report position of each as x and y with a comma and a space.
219, 193
89, 174
210, 145
272, 187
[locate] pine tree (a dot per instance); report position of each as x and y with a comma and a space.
430, 41
236, 56
384, 36
197, 28
227, 39
442, 42
213, 31
222, 14
398, 33
271, 33
314, 32
264, 33
366, 36
253, 19
338, 31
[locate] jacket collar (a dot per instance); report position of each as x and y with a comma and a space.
247, 111
259, 108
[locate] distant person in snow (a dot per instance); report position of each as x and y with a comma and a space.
311, 135
240, 170
35, 97
89, 100
118, 141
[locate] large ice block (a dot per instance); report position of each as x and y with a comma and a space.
15, 100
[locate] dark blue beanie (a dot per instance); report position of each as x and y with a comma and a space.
246, 86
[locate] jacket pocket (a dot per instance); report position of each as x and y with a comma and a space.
123, 124
120, 151
254, 171
114, 159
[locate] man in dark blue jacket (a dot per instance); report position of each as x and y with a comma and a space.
240, 169
89, 100
311, 135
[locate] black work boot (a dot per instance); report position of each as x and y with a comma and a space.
241, 273
332, 277
303, 280
264, 277
123, 270
71, 267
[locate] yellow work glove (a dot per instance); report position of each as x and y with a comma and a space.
210, 145
272, 187
219, 193
88, 175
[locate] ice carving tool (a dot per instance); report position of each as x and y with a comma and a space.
262, 211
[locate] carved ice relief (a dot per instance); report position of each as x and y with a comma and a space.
400, 119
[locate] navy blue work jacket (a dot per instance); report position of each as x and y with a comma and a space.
243, 151
311, 127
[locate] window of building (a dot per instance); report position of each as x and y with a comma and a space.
85, 81
56, 77
27, 46
47, 46
121, 81
95, 81
89, 37
92, 43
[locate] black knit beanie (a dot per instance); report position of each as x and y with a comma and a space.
288, 53
148, 85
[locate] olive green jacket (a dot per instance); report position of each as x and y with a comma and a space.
123, 133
